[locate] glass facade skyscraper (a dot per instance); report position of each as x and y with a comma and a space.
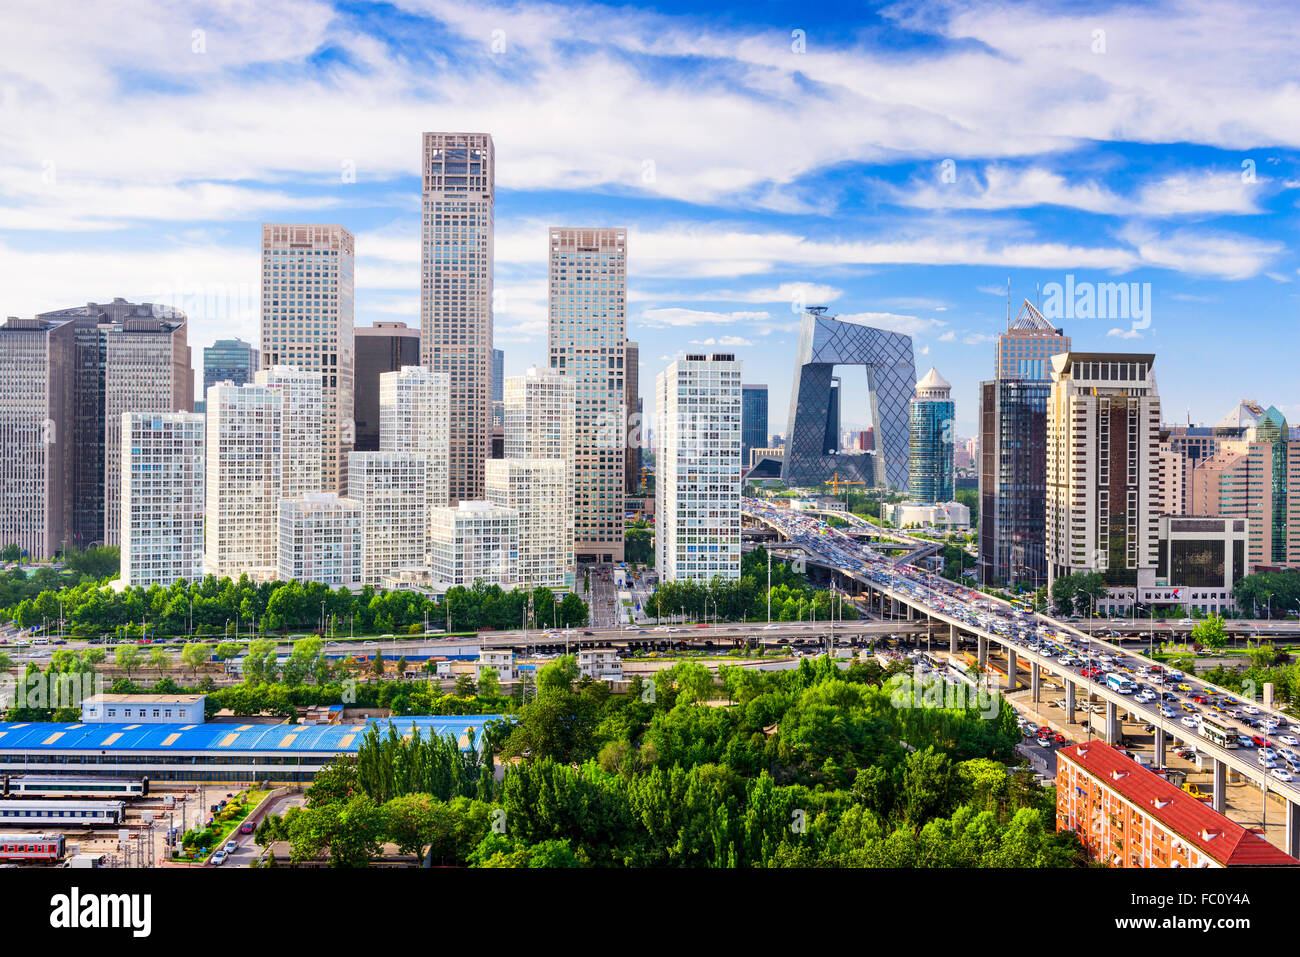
753, 420
229, 360
930, 436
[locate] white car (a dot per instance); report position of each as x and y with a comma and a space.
1189, 721
1167, 711
1250, 709
768, 627
1281, 775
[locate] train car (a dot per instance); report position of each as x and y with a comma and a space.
63, 813
68, 786
31, 848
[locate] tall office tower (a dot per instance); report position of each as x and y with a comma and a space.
588, 333
383, 347
635, 427
106, 384
537, 490
307, 308
321, 539
242, 495
753, 414
162, 497
1012, 452
697, 471
230, 360
930, 440
37, 434
539, 424
459, 177
393, 489
1170, 481
1103, 433
414, 417
474, 541
498, 375
302, 409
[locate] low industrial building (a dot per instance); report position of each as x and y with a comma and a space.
600, 664
144, 708
953, 515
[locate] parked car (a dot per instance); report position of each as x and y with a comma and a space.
219, 858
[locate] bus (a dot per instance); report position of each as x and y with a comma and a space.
1117, 682
1216, 732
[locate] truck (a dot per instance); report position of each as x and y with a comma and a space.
85, 861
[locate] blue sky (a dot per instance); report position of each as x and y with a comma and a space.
896, 163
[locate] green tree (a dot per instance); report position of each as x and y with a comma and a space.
128, 659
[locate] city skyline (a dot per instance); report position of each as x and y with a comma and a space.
917, 231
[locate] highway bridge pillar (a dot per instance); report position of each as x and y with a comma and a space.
1292, 829
1160, 748
952, 639
1112, 723
1011, 669
1036, 680
982, 650
1220, 785
1069, 701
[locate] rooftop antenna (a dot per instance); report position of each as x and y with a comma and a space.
1008, 304
1038, 299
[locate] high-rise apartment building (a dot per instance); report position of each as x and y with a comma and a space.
37, 434
307, 316
110, 377
392, 488
587, 338
1103, 434
753, 428
321, 539
1171, 483
458, 173
697, 468
1011, 456
243, 482
474, 541
539, 424
414, 417
162, 497
230, 360
537, 490
930, 441
302, 411
383, 347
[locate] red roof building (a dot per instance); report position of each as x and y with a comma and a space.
1128, 816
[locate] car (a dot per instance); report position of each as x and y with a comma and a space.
1281, 775
1189, 721
1250, 709
768, 627
1058, 738
1259, 742
1290, 739
1268, 752
1167, 711
1245, 740
248, 827
219, 858
1269, 763
1187, 707
231, 847
1183, 686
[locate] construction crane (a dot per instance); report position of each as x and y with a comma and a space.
835, 482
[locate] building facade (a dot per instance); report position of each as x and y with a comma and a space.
37, 435
243, 483
383, 347
698, 468
414, 416
302, 412
163, 464
322, 539
636, 417
587, 338
753, 415
308, 279
1103, 435
459, 183
537, 489
930, 441
230, 360
393, 489
474, 541
498, 375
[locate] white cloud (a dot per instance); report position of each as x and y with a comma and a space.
1124, 334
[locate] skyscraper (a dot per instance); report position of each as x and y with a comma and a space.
636, 427
162, 498
307, 314
383, 347
697, 478
587, 338
1103, 434
458, 175
242, 490
414, 417
753, 413
474, 541
1012, 451
930, 434
230, 360
301, 413
392, 488
498, 375
37, 451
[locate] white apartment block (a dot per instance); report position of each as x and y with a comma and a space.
473, 541
301, 411
392, 488
307, 322
414, 416
1103, 436
587, 339
697, 481
537, 490
37, 456
322, 539
458, 190
243, 480
162, 497
146, 369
